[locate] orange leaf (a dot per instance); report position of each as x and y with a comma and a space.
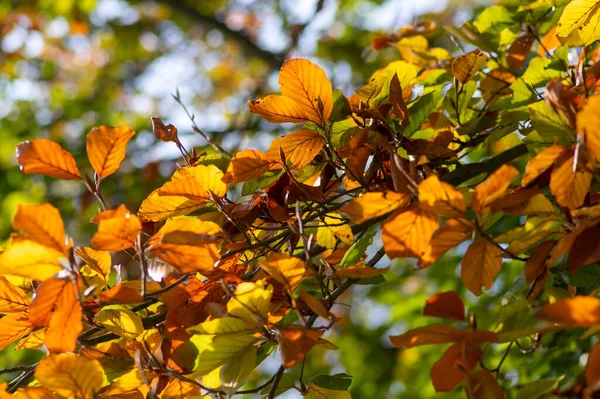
406, 233
46, 157
65, 324
448, 236
41, 223
482, 384
12, 298
46, 297
452, 367
106, 148
447, 305
481, 263
118, 232
428, 335
441, 197
295, 341
570, 188
592, 369
247, 165
465, 67
70, 375
14, 326
518, 51
580, 311
542, 162
527, 201
549, 42
360, 272
314, 304
287, 270
373, 205
29, 259
195, 183
127, 292
588, 125
191, 225
99, 261
306, 95
299, 147
536, 264
493, 188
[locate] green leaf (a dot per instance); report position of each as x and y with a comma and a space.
120, 321
216, 350
420, 110
491, 17
342, 131
516, 321
550, 124
357, 250
341, 107
540, 71
460, 108
522, 93
337, 382
235, 372
252, 186
535, 389
220, 161
587, 276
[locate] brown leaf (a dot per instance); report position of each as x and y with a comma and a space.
588, 125
480, 265
570, 188
448, 236
493, 188
287, 270
247, 165
164, 133
517, 53
46, 297
428, 335
446, 305
452, 367
371, 205
360, 272
542, 162
441, 197
46, 157
465, 67
295, 341
537, 262
482, 384
592, 369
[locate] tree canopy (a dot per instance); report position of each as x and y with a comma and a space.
269, 199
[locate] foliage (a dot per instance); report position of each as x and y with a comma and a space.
245, 256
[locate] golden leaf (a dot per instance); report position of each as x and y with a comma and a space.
69, 375
588, 125
433, 334
121, 321
465, 67
106, 148
118, 232
46, 157
580, 16
299, 147
41, 223
493, 188
542, 162
65, 324
294, 342
195, 183
481, 263
250, 302
249, 164
29, 259
441, 197
448, 236
570, 188
99, 261
373, 205
157, 207
14, 326
12, 298
333, 228
406, 233
360, 272
579, 311
285, 269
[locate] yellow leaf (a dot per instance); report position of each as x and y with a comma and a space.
588, 125
522, 238
465, 67
46, 157
360, 272
14, 326
69, 374
12, 298
99, 261
250, 302
285, 269
570, 188
157, 207
29, 259
307, 84
406, 233
299, 147
441, 197
277, 109
41, 223
120, 321
222, 325
117, 232
480, 265
247, 165
448, 236
577, 15
590, 32
493, 188
191, 225
372, 205
580, 311
542, 162
216, 350
333, 228
195, 183
235, 372
35, 340
177, 389
428, 335
106, 148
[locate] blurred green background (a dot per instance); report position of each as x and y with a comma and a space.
69, 65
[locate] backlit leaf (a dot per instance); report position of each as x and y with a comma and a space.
195, 183
360, 272
41, 223
46, 157
12, 298
121, 321
65, 323
480, 265
235, 372
580, 15
428, 335
250, 301
99, 261
452, 367
448, 236
447, 305
372, 205
465, 67
69, 374
106, 148
249, 164
568, 186
14, 326
579, 311
294, 342
27, 258
542, 162
493, 188
157, 207
299, 147
287, 270
406, 233
334, 228
46, 297
118, 232
441, 197
588, 125
216, 350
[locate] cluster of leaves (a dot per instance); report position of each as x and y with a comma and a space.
225, 281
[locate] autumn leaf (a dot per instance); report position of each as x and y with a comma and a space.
482, 384
157, 207
14, 326
537, 262
69, 374
247, 165
121, 321
12, 298
117, 231
45, 157
406, 233
195, 183
480, 265
441, 197
250, 301
286, 270
451, 369
360, 272
465, 67
99, 261
46, 298
518, 51
294, 342
592, 369
428, 335
299, 147
29, 259
579, 311
65, 323
306, 95
570, 187
542, 162
41, 223
581, 16
588, 125
448, 236
332, 229
106, 148
446, 305
374, 204
164, 133
493, 188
